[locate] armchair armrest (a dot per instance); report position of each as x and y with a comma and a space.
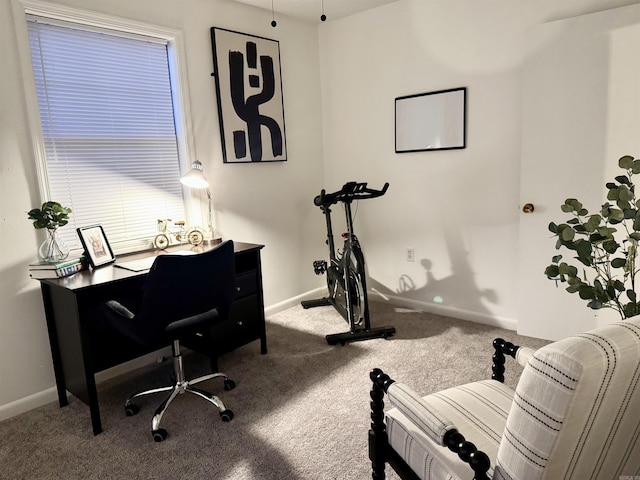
501, 346
426, 417
422, 413
524, 354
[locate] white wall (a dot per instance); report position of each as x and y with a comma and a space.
459, 209
269, 204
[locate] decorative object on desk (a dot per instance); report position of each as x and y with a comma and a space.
193, 235
50, 217
431, 121
249, 92
610, 253
96, 246
43, 270
195, 178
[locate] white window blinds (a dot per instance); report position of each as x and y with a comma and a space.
108, 130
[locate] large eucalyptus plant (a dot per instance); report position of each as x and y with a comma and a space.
604, 246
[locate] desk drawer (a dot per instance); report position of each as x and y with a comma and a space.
242, 327
246, 284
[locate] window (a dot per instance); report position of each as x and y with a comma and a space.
112, 134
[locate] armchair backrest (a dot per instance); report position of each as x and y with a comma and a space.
183, 286
576, 410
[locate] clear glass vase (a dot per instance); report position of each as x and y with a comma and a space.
53, 249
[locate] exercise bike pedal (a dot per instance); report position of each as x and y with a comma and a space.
319, 266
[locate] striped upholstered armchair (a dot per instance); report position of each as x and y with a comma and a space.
575, 414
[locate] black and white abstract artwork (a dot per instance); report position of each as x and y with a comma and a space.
249, 91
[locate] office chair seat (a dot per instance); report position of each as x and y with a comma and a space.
183, 295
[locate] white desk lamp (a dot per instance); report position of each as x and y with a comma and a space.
195, 178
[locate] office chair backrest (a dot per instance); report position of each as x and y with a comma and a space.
183, 286
576, 411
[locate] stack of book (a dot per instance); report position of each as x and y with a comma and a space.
63, 268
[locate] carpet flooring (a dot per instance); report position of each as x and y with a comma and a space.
301, 410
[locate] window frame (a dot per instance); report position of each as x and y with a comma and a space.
178, 79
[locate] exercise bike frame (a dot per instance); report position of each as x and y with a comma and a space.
346, 276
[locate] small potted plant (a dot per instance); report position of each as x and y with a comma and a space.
604, 247
50, 217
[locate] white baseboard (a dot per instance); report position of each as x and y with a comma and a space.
292, 302
51, 394
485, 319
28, 403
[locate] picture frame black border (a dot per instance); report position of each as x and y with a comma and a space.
435, 92
95, 263
215, 74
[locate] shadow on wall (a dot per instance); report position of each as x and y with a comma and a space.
458, 291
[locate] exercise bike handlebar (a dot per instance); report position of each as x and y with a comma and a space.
350, 191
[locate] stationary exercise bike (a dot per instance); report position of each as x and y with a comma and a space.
345, 271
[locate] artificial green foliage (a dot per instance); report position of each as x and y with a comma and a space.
51, 216
604, 246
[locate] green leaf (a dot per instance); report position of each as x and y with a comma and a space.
556, 258
626, 162
594, 221
566, 269
573, 288
552, 271
586, 261
553, 228
566, 208
583, 248
567, 234
610, 246
623, 179
587, 292
595, 304
618, 262
616, 215
631, 295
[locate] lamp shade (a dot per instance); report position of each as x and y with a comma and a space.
194, 178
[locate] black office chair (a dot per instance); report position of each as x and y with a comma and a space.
183, 294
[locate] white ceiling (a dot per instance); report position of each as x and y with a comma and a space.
310, 10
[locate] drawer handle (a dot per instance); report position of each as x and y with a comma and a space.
237, 289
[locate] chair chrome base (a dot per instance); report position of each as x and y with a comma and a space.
181, 385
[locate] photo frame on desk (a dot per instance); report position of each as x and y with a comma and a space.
96, 246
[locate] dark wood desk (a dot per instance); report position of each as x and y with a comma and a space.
81, 346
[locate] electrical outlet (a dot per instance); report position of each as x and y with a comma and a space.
411, 257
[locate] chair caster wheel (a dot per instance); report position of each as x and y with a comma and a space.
131, 409
159, 435
229, 384
226, 416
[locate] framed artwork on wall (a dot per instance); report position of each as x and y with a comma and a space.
249, 91
431, 121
